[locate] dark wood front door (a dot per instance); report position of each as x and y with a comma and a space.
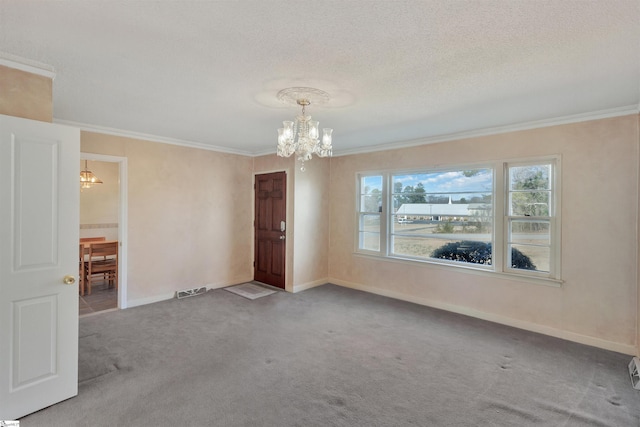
270, 228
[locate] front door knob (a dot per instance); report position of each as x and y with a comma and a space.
69, 280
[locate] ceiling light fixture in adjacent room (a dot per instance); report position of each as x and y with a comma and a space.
87, 178
302, 136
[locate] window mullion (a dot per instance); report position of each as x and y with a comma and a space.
385, 217
555, 213
500, 219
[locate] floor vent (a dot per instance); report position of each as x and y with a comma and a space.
634, 372
191, 292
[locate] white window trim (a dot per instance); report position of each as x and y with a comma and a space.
499, 242
553, 218
381, 251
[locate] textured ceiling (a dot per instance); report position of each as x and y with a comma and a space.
206, 73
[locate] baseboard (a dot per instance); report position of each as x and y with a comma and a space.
520, 324
162, 297
309, 285
149, 300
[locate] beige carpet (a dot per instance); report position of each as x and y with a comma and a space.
332, 356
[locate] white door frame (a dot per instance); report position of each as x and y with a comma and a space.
122, 221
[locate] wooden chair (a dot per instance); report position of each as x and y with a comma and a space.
92, 239
103, 261
84, 241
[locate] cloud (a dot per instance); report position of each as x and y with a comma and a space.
449, 181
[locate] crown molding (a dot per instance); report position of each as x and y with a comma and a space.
152, 138
575, 118
24, 64
265, 152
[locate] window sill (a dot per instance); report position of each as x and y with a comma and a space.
466, 269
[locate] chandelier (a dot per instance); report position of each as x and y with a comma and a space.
302, 136
87, 178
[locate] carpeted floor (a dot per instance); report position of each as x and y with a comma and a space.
332, 356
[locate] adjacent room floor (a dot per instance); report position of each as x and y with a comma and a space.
102, 298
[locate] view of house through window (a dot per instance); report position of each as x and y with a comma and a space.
433, 210
449, 216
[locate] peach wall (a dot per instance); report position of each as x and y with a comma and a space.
25, 95
100, 203
311, 262
596, 304
189, 216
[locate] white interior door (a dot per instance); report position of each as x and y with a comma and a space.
39, 232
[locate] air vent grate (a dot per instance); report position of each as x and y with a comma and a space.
191, 292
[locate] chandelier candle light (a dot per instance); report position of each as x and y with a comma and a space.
302, 135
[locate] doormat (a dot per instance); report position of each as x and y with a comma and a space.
250, 290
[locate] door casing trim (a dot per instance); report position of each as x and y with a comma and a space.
122, 221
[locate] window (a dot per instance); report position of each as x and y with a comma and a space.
447, 216
432, 211
530, 217
370, 213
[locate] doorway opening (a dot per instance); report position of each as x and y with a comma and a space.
103, 216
